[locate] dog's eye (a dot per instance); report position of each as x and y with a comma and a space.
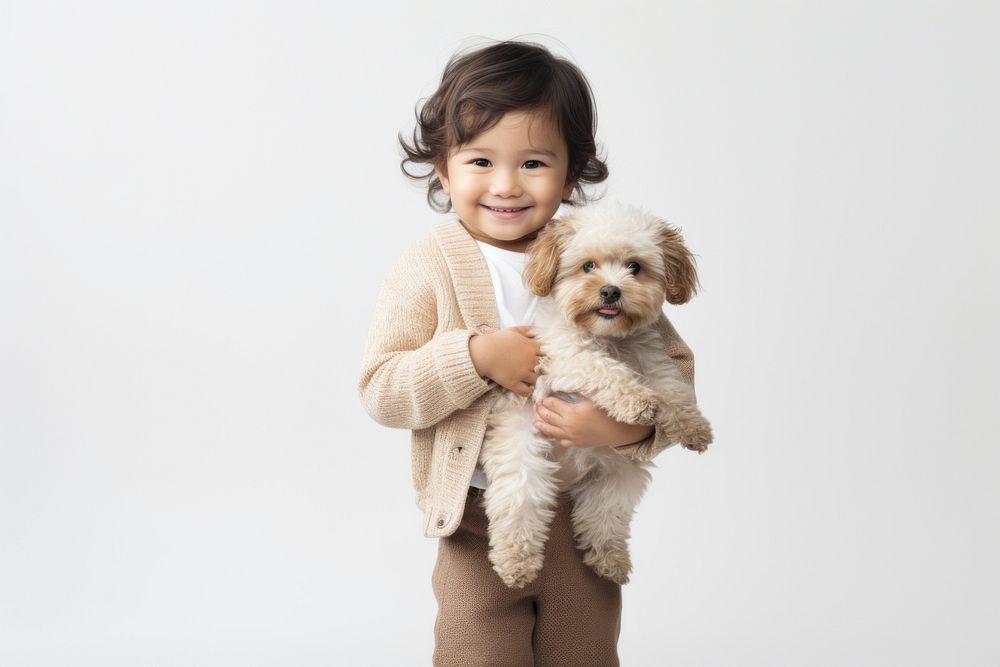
588, 267
633, 267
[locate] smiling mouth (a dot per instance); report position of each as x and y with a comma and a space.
506, 212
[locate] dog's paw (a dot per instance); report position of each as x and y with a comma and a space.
516, 568
698, 436
614, 565
517, 575
637, 409
647, 411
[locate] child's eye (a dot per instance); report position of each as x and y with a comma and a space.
533, 164
482, 159
633, 267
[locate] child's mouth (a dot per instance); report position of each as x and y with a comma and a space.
506, 212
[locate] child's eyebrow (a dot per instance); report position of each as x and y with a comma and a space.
540, 151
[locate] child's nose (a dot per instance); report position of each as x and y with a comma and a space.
505, 184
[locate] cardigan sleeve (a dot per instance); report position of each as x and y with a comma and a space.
677, 349
412, 375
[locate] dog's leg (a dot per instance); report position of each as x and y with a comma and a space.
680, 417
615, 388
603, 504
520, 494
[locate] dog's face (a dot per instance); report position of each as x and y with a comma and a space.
610, 267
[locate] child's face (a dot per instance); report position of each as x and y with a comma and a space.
519, 163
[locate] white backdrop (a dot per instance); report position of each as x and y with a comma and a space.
198, 201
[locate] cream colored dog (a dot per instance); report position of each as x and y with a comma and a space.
605, 270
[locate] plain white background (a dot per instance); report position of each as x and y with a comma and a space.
198, 201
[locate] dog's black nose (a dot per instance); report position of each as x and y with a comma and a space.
610, 293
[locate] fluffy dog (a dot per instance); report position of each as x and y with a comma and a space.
605, 271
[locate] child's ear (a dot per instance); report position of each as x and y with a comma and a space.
680, 275
542, 265
568, 190
442, 174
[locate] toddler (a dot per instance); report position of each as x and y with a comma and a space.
507, 137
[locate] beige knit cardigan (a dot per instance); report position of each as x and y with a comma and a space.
417, 372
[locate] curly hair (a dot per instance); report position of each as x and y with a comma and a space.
479, 87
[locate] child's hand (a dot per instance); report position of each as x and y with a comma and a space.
583, 424
508, 357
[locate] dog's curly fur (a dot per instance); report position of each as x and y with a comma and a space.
604, 271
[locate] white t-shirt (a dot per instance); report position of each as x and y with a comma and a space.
515, 304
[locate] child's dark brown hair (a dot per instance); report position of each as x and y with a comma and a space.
479, 87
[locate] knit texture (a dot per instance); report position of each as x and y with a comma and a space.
417, 372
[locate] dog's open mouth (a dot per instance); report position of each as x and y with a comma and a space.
609, 312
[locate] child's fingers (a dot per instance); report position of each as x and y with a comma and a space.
551, 431
553, 406
546, 412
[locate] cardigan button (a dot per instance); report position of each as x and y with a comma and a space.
440, 523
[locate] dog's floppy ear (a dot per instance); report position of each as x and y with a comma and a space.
542, 265
680, 275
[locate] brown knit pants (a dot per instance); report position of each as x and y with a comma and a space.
568, 617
